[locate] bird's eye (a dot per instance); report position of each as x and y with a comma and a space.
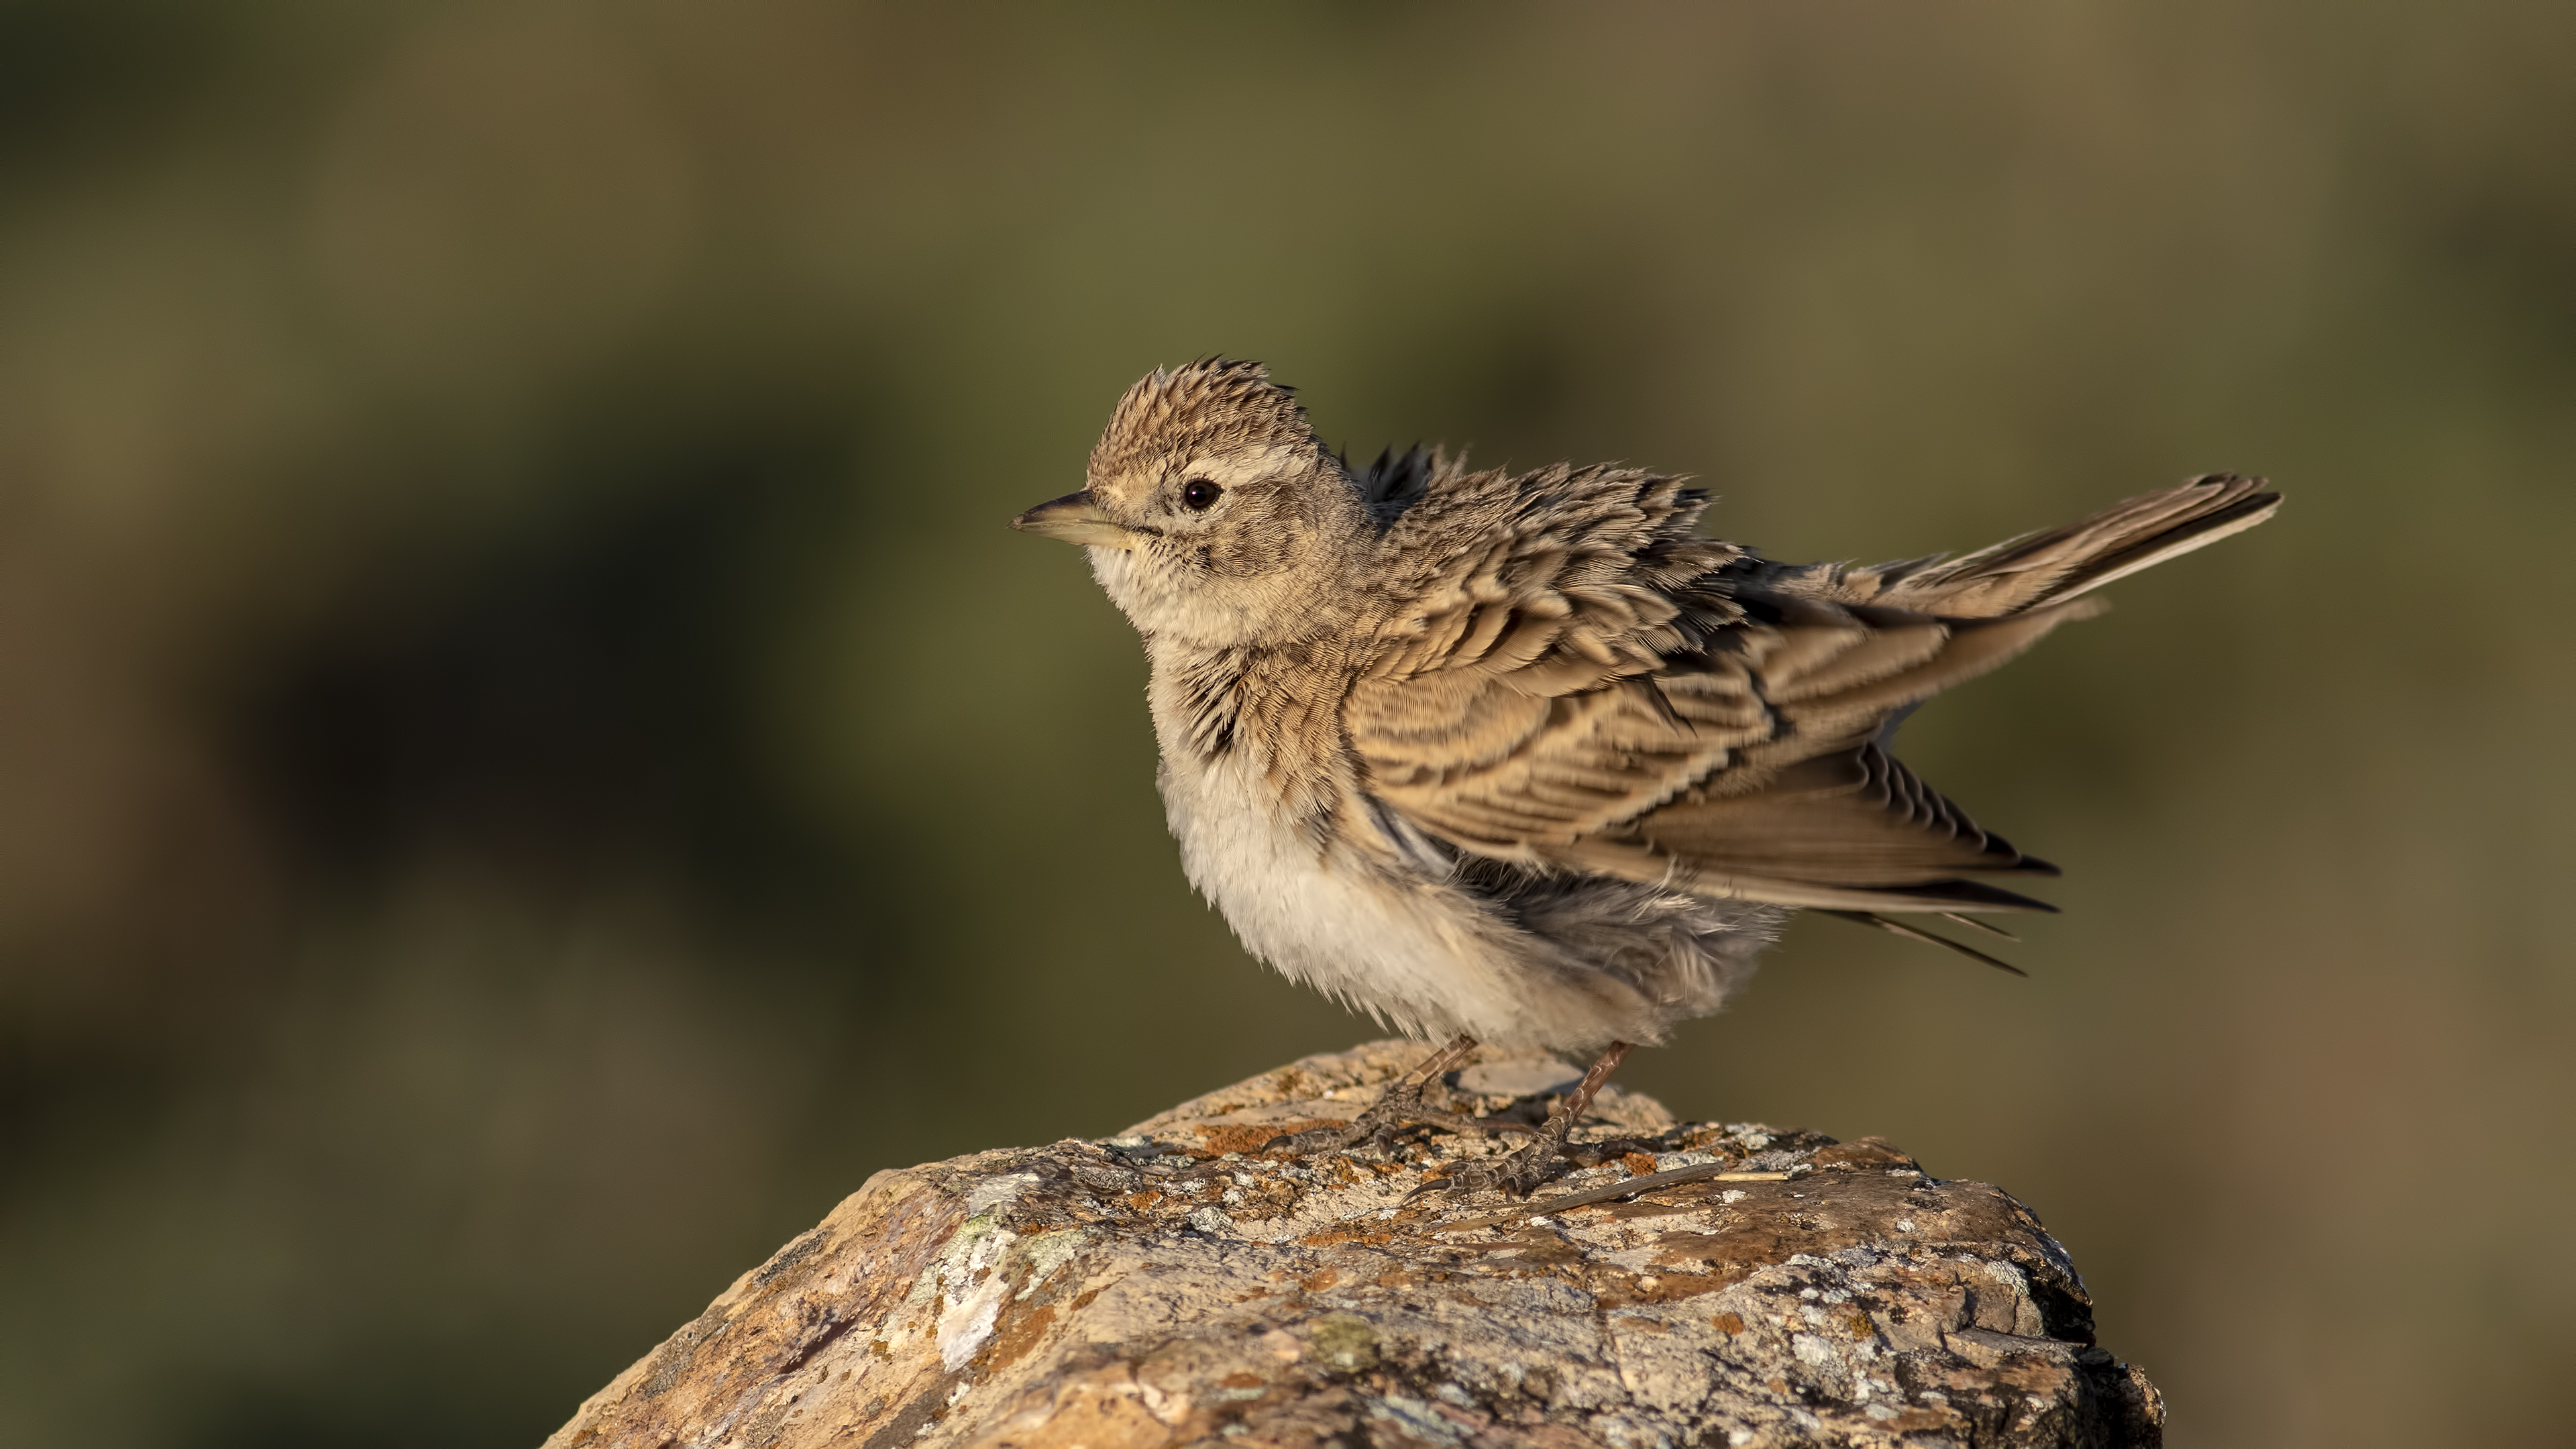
1199, 495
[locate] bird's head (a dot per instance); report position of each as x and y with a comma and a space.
1212, 516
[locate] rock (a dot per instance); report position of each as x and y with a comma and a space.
1694, 1284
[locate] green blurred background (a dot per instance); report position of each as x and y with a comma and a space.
530, 765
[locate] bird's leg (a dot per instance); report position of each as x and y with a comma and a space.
1534, 1163
1402, 1104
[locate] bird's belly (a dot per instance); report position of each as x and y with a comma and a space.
1412, 950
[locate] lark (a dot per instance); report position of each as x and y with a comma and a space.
1525, 760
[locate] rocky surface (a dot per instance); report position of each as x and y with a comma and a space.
1696, 1284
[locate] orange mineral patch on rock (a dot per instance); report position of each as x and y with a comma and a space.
1218, 1139
1014, 1341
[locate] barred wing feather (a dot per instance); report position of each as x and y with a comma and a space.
1586, 684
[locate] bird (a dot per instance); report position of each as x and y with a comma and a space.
1524, 760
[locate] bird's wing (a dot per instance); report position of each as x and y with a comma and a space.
1581, 682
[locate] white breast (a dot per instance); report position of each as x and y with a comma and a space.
1418, 954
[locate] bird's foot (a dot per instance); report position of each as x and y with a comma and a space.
1404, 1104
1403, 1107
1528, 1168
1543, 1157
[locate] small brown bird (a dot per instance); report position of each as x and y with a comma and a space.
1525, 759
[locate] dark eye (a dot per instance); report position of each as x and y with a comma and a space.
1198, 495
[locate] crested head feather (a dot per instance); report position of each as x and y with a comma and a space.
1213, 406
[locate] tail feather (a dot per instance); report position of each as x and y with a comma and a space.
1912, 933
2048, 567
1868, 845
2062, 563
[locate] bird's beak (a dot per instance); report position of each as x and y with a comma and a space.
1075, 518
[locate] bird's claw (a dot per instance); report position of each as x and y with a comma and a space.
1402, 1105
1395, 1111
1528, 1168
1400, 1109
1298, 1144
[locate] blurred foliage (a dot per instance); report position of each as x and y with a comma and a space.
532, 765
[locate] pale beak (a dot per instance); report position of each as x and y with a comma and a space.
1075, 518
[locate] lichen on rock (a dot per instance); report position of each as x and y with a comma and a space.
1175, 1286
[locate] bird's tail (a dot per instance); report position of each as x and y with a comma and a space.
2059, 564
